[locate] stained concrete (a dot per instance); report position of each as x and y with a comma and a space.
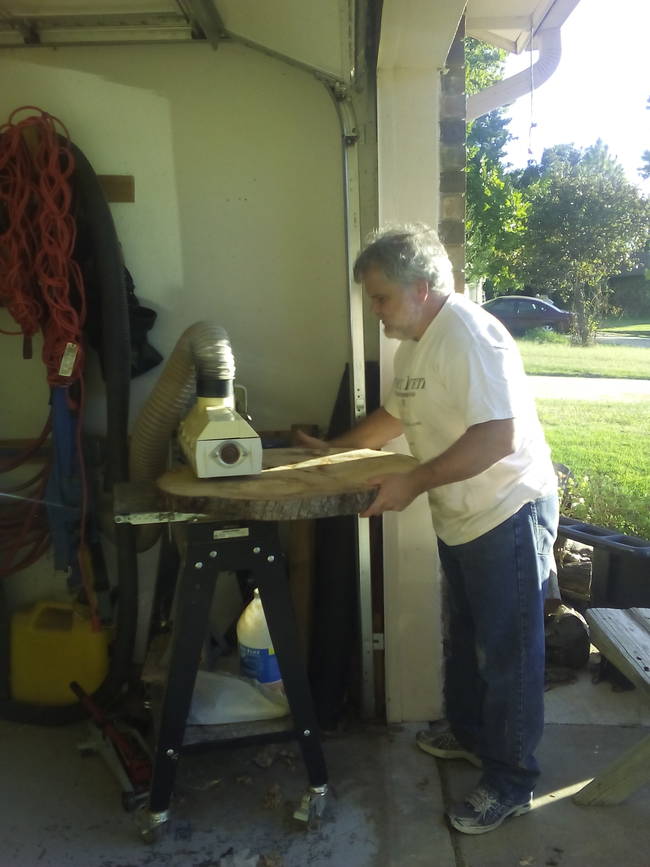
558, 833
386, 807
61, 809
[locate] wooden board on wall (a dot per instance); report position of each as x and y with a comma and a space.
118, 188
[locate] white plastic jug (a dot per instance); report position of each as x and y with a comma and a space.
257, 657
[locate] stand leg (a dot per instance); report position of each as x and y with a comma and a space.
276, 600
195, 591
271, 578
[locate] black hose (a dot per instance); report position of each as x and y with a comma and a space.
110, 283
117, 373
109, 272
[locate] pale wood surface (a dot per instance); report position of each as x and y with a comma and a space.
295, 483
620, 779
623, 636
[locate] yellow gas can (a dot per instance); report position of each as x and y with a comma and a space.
53, 643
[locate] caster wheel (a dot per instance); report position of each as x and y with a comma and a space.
152, 826
311, 808
152, 835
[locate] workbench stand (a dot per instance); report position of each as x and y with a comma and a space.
214, 547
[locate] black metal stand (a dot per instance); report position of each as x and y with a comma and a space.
214, 548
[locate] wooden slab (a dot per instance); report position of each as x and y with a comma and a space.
623, 636
294, 483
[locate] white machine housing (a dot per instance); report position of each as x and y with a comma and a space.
217, 441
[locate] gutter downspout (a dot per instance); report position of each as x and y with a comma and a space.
507, 91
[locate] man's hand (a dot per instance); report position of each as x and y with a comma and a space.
308, 442
396, 492
372, 432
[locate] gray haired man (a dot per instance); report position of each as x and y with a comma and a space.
460, 397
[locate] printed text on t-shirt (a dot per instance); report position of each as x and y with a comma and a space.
404, 385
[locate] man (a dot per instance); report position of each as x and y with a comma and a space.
460, 396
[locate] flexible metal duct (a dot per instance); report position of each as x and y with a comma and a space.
507, 91
202, 361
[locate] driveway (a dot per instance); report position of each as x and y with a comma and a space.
590, 388
613, 339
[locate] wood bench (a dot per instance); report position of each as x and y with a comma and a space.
623, 636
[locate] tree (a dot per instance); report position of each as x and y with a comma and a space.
564, 225
495, 224
496, 210
585, 223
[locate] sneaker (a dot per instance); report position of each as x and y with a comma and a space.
484, 810
445, 746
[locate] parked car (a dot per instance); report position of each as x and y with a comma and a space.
520, 312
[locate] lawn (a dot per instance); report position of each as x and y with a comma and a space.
605, 444
561, 358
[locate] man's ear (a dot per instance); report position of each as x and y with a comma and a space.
422, 289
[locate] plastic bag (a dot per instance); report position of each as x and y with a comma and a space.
223, 698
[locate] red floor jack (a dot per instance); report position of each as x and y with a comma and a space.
123, 749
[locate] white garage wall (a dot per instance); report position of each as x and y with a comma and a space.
238, 215
238, 218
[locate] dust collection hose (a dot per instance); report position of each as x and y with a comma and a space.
117, 355
202, 361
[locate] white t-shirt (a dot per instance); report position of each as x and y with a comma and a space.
464, 370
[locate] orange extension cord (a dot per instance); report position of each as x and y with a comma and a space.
42, 287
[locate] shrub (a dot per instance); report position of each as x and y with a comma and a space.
545, 335
600, 501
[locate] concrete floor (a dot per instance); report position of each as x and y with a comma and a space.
387, 810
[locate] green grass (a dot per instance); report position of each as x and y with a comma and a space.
607, 443
561, 358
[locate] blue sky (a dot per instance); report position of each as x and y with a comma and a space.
599, 89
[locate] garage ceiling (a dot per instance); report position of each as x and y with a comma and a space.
316, 33
319, 34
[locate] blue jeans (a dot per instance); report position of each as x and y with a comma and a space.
494, 675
